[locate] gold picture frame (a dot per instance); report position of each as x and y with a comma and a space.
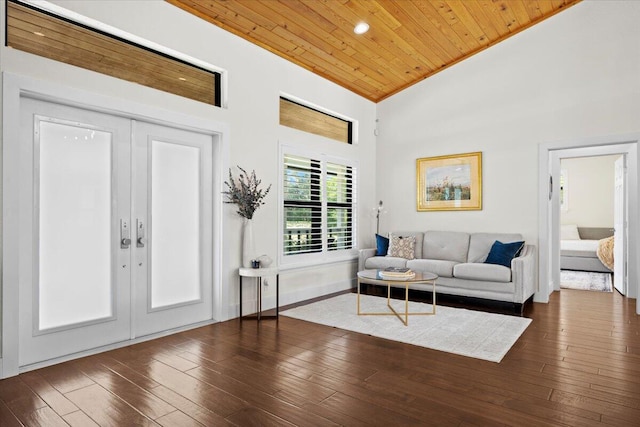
449, 183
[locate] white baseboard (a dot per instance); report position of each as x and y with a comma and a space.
291, 297
113, 346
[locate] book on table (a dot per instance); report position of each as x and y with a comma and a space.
397, 270
397, 273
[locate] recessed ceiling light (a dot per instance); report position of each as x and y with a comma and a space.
361, 28
182, 79
38, 33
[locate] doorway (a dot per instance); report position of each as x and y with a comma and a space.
117, 214
588, 228
549, 205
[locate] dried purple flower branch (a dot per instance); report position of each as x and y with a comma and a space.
244, 192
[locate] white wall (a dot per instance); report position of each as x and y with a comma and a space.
572, 76
255, 80
589, 188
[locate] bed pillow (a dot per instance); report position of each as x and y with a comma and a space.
382, 245
503, 253
569, 232
402, 247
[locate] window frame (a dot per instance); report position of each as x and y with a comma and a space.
324, 255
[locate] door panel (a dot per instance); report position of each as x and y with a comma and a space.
74, 224
74, 181
175, 213
173, 198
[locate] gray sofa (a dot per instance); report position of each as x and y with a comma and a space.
458, 260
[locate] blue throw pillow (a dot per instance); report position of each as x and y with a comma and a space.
503, 253
382, 245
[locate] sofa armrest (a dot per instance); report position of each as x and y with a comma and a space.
363, 254
525, 274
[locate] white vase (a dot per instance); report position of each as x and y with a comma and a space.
248, 245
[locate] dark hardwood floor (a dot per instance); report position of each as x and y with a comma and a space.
578, 364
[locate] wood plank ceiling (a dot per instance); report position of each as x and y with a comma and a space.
408, 40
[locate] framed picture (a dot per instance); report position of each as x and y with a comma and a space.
449, 183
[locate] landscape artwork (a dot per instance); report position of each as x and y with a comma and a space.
452, 182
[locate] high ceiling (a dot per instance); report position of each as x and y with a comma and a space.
408, 40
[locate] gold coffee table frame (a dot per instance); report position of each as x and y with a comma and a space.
373, 277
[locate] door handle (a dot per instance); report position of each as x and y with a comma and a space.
125, 236
140, 239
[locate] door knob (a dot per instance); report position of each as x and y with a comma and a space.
140, 240
125, 237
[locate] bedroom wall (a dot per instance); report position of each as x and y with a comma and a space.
573, 76
256, 79
590, 191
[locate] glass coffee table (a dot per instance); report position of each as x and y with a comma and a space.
373, 277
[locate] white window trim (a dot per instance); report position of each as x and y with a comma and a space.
324, 257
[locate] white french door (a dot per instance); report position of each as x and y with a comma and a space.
115, 229
172, 214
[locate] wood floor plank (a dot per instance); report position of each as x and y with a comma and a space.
64, 379
193, 410
259, 399
7, 418
43, 417
56, 400
364, 411
256, 417
577, 364
138, 398
178, 418
602, 406
105, 408
79, 419
215, 399
19, 398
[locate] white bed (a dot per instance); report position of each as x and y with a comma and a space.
577, 253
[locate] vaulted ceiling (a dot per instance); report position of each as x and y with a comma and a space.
408, 40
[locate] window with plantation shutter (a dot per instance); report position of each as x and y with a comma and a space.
318, 205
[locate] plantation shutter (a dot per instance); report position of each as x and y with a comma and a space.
339, 184
302, 205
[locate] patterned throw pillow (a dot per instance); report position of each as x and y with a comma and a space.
402, 247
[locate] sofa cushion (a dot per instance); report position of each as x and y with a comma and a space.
382, 262
419, 239
503, 253
480, 244
446, 245
402, 247
486, 272
500, 291
439, 267
382, 245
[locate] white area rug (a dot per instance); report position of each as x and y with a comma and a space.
585, 280
477, 334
